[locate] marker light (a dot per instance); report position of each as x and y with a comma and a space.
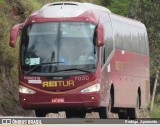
94, 88
26, 90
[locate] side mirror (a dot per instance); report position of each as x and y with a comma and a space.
14, 34
100, 35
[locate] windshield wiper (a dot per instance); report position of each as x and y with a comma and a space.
38, 65
72, 69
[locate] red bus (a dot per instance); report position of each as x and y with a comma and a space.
80, 57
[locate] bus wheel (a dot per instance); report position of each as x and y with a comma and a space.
75, 114
134, 113
40, 113
122, 115
104, 111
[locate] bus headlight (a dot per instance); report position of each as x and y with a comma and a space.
26, 90
94, 88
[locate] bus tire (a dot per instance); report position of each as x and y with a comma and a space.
40, 113
122, 115
75, 114
104, 111
134, 113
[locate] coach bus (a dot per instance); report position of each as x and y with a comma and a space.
79, 58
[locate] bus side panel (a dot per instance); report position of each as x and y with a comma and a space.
106, 85
127, 75
145, 82
145, 92
122, 80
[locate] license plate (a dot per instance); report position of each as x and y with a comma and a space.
57, 100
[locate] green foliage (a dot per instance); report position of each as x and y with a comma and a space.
99, 2
106, 2
157, 99
118, 6
155, 113
1, 1
11, 13
147, 11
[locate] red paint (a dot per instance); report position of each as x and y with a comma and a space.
14, 34
129, 72
57, 100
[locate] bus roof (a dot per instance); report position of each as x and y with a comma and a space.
127, 20
74, 9
68, 9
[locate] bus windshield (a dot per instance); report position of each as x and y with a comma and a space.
54, 47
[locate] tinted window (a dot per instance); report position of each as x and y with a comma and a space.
143, 46
126, 35
135, 39
146, 42
117, 34
66, 44
108, 39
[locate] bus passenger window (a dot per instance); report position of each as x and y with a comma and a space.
108, 32
135, 40
126, 35
143, 45
117, 34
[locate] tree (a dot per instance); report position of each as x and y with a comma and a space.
118, 6
147, 11
106, 2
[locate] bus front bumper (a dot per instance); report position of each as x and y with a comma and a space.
60, 101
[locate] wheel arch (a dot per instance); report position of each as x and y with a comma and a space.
112, 93
139, 94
